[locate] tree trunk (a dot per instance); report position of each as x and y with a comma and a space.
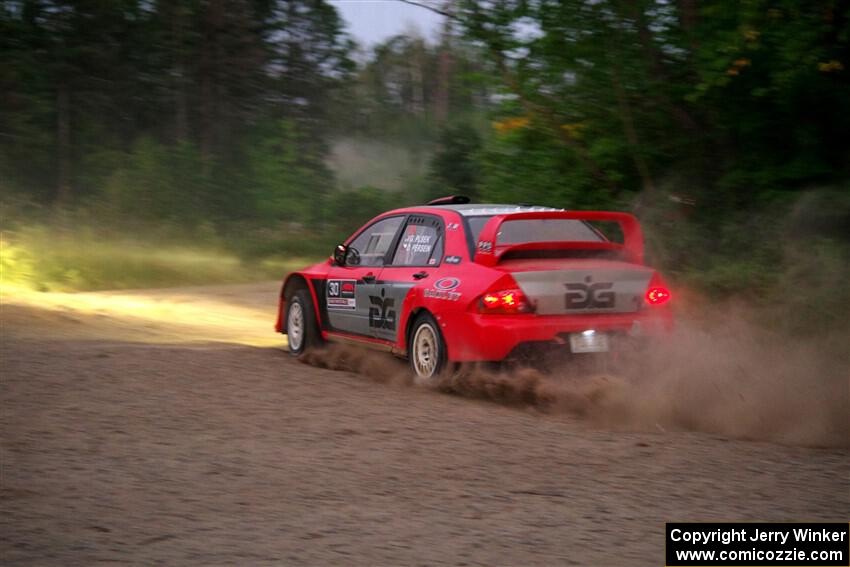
688, 20
417, 98
631, 134
181, 120
444, 72
210, 62
63, 145
655, 62
441, 98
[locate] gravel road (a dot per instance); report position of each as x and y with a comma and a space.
167, 427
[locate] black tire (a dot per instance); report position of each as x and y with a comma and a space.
426, 349
305, 336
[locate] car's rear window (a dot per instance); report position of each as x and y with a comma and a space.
547, 230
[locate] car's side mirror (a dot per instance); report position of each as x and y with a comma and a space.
352, 256
340, 253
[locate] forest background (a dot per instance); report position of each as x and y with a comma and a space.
152, 143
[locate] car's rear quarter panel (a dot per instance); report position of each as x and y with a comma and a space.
435, 293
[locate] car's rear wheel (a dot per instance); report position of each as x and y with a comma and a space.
426, 349
301, 329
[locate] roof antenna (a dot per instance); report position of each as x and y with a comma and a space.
450, 200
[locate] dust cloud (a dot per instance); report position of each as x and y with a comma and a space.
380, 367
719, 373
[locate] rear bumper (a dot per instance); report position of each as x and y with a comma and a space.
477, 337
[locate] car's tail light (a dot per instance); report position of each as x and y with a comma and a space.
657, 295
504, 301
657, 292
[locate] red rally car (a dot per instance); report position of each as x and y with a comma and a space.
455, 282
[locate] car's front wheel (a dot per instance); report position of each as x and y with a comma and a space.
426, 349
301, 329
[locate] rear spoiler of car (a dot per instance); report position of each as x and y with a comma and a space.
488, 251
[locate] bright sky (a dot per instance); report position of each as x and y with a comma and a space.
373, 21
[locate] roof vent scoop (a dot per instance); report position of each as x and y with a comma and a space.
450, 200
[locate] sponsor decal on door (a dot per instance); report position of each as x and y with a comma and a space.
341, 294
381, 313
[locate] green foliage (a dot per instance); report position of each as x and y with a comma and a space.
792, 259
51, 259
288, 183
748, 99
16, 263
351, 209
455, 167
813, 290
158, 182
163, 99
526, 167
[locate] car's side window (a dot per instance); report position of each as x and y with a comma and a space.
371, 246
421, 243
437, 253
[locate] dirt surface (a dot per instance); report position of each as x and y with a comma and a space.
166, 427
